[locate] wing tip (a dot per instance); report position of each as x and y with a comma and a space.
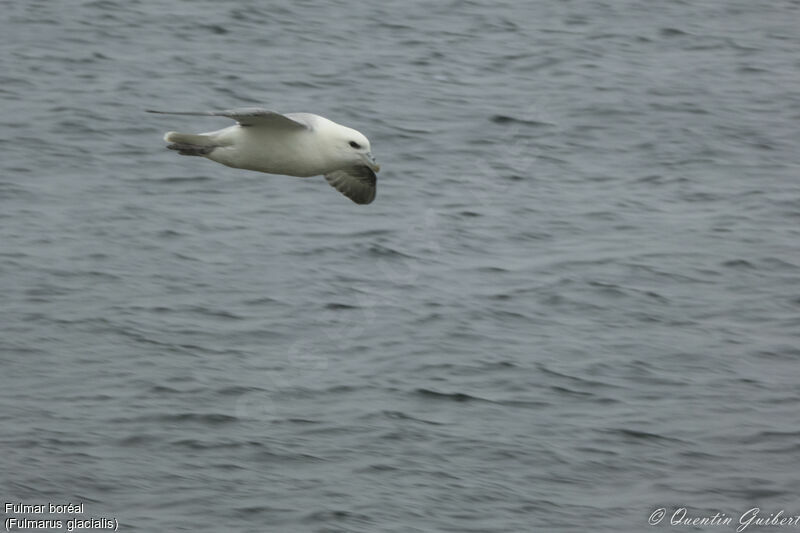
365, 201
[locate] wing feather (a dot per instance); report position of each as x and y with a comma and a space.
357, 183
249, 116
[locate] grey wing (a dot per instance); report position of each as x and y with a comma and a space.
249, 116
357, 183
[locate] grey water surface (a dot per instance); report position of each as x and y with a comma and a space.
575, 300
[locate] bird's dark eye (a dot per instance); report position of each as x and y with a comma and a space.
355, 145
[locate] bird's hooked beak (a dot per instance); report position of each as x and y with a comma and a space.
369, 160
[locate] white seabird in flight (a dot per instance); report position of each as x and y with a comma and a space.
295, 144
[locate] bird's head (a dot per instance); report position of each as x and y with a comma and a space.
354, 147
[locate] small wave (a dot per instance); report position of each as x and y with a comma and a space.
238, 390
137, 440
385, 251
452, 396
672, 32
377, 468
213, 419
196, 444
336, 515
505, 119
739, 264
399, 415
335, 306
633, 434
177, 179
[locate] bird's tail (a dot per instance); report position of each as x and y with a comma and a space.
190, 144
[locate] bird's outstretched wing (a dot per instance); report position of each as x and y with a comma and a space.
249, 116
357, 183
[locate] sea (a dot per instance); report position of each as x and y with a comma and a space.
573, 306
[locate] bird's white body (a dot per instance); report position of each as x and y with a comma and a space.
275, 151
294, 144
